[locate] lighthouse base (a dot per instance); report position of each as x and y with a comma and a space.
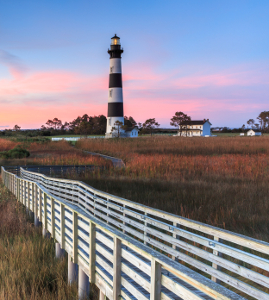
128, 133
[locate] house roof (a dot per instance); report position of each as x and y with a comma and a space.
196, 122
255, 130
131, 128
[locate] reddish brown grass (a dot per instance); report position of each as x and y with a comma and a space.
7, 144
219, 181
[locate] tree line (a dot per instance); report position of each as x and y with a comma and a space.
96, 125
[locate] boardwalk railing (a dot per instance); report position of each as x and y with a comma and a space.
138, 252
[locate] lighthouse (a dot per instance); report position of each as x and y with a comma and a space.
115, 96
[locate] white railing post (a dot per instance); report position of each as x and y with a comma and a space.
215, 266
145, 233
75, 237
34, 203
52, 218
45, 220
155, 281
40, 207
28, 197
124, 223
92, 253
18, 189
116, 268
175, 236
62, 225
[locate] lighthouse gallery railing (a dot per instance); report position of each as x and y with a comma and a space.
138, 252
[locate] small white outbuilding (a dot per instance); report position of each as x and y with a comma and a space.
254, 132
132, 132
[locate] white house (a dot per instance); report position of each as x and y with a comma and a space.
195, 128
254, 132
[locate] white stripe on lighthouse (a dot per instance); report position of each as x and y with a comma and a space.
115, 65
115, 95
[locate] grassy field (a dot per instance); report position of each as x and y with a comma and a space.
222, 181
219, 181
28, 269
51, 153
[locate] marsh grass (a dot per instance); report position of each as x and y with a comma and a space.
56, 153
6, 145
28, 269
219, 181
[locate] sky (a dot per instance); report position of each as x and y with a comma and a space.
207, 58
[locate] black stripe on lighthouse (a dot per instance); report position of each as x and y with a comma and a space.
115, 80
115, 109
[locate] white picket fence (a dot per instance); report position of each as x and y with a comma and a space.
137, 252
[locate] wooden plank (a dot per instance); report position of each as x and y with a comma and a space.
145, 284
135, 292
104, 252
116, 268
155, 280
104, 276
178, 289
83, 236
83, 225
104, 264
137, 262
100, 237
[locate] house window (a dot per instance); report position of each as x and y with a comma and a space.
110, 93
109, 122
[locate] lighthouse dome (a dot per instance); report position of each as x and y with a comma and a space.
115, 40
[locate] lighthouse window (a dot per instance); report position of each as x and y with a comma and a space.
110, 93
111, 69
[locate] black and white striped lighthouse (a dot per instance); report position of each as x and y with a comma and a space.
115, 97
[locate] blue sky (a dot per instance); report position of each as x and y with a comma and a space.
209, 59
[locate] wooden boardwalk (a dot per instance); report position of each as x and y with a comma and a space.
137, 252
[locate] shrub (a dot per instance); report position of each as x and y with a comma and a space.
17, 152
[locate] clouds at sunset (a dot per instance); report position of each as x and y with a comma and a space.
41, 95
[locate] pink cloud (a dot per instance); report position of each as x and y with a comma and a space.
33, 97
50, 83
